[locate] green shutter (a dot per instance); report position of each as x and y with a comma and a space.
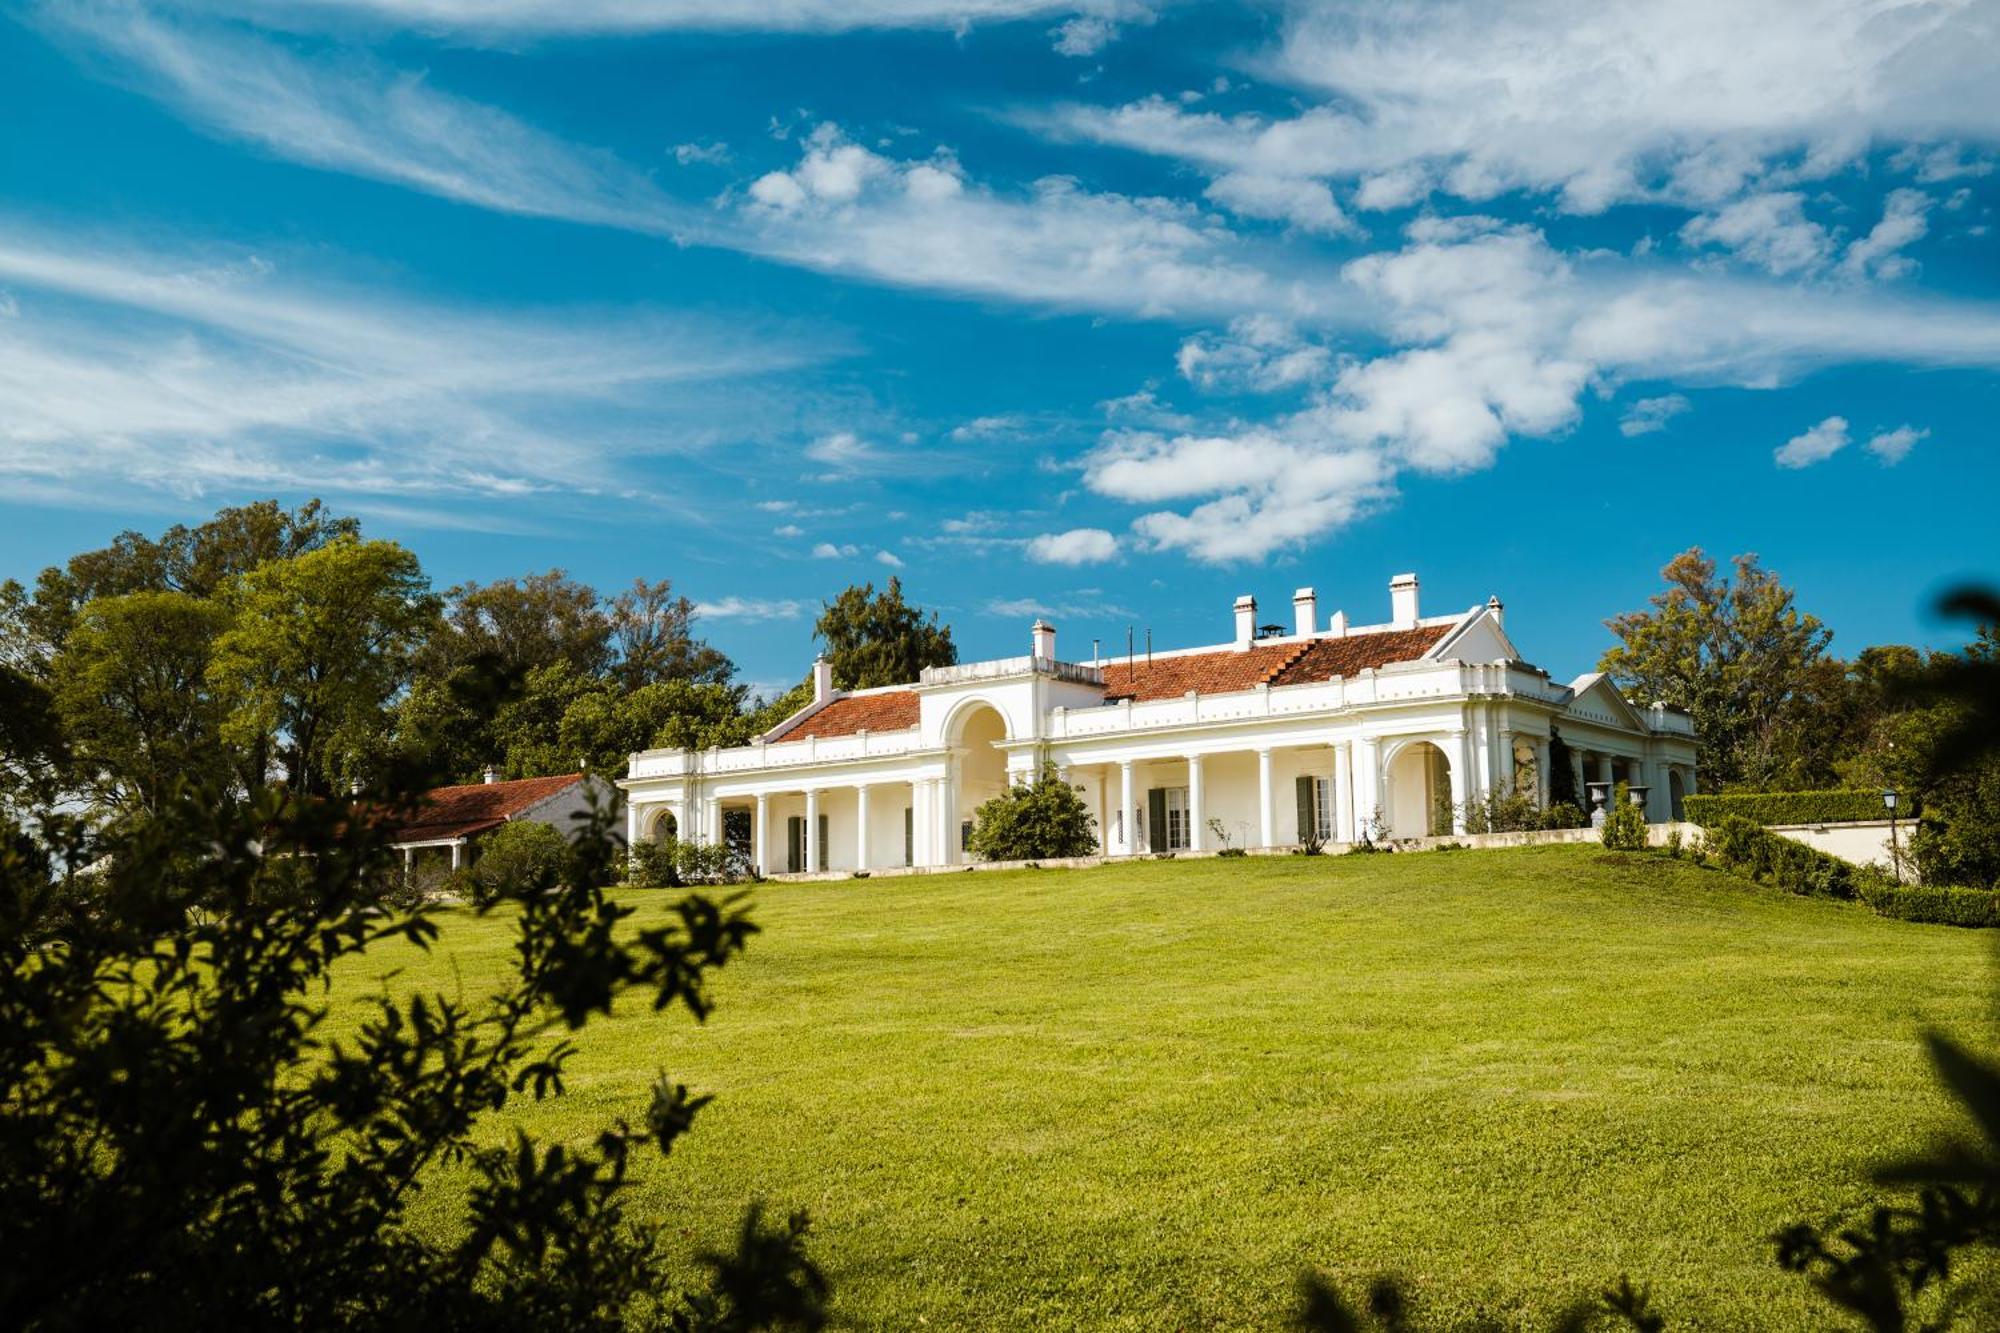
795, 844
1308, 809
1156, 819
909, 835
821, 849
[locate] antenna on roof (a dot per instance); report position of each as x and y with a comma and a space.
1129, 655
1096, 653
1149, 647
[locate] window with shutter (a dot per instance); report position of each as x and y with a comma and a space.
909, 836
1308, 807
1156, 819
821, 849
795, 844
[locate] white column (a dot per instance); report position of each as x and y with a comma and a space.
920, 816
457, 854
949, 803
861, 828
1130, 827
1265, 820
631, 825
1367, 785
812, 829
713, 820
1542, 775
1461, 777
1343, 791
1196, 833
760, 837
1502, 779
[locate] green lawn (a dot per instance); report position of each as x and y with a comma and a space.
1148, 1096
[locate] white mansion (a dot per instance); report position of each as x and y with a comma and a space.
1334, 731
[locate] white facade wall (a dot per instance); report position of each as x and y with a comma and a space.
982, 723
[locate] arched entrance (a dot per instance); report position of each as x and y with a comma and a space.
1416, 796
979, 767
1677, 792
665, 827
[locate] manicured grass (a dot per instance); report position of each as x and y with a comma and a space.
1148, 1096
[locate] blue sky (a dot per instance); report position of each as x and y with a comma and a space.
1108, 310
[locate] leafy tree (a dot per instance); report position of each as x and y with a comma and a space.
33, 754
768, 713
1034, 821
605, 727
523, 624
317, 647
200, 561
133, 695
654, 633
880, 639
182, 1149
1738, 655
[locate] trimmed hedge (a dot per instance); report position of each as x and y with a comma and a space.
1788, 807
1939, 906
1744, 846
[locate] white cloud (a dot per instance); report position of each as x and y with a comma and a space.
613, 16
888, 559
1904, 220
1084, 604
1084, 35
846, 209
195, 375
750, 608
1652, 414
1890, 447
1078, 546
828, 551
1594, 101
788, 530
843, 451
984, 428
1816, 445
712, 154
1258, 353
1303, 203
1768, 230
348, 114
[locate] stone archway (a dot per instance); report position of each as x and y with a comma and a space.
665, 828
1677, 793
979, 771
1416, 797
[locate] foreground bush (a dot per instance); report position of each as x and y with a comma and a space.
673, 864
180, 1149
1788, 807
1036, 821
518, 852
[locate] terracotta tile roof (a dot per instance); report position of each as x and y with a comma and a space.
1324, 659
892, 710
458, 812
1274, 664
1211, 673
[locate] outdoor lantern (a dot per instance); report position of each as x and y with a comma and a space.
1889, 801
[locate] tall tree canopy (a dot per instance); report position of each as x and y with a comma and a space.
317, 646
880, 639
132, 690
199, 561
1736, 653
521, 624
654, 632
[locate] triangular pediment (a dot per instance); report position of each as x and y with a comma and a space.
1596, 699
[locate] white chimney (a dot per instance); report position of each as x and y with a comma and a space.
822, 679
1246, 621
1493, 605
1045, 640
1337, 627
1305, 612
1403, 601
492, 775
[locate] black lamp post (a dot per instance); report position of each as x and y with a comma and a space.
1895, 846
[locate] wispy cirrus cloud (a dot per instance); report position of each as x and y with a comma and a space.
128, 368
343, 111
502, 17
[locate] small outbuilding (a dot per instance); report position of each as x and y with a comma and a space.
449, 819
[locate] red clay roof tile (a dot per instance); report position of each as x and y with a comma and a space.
458, 812
893, 710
